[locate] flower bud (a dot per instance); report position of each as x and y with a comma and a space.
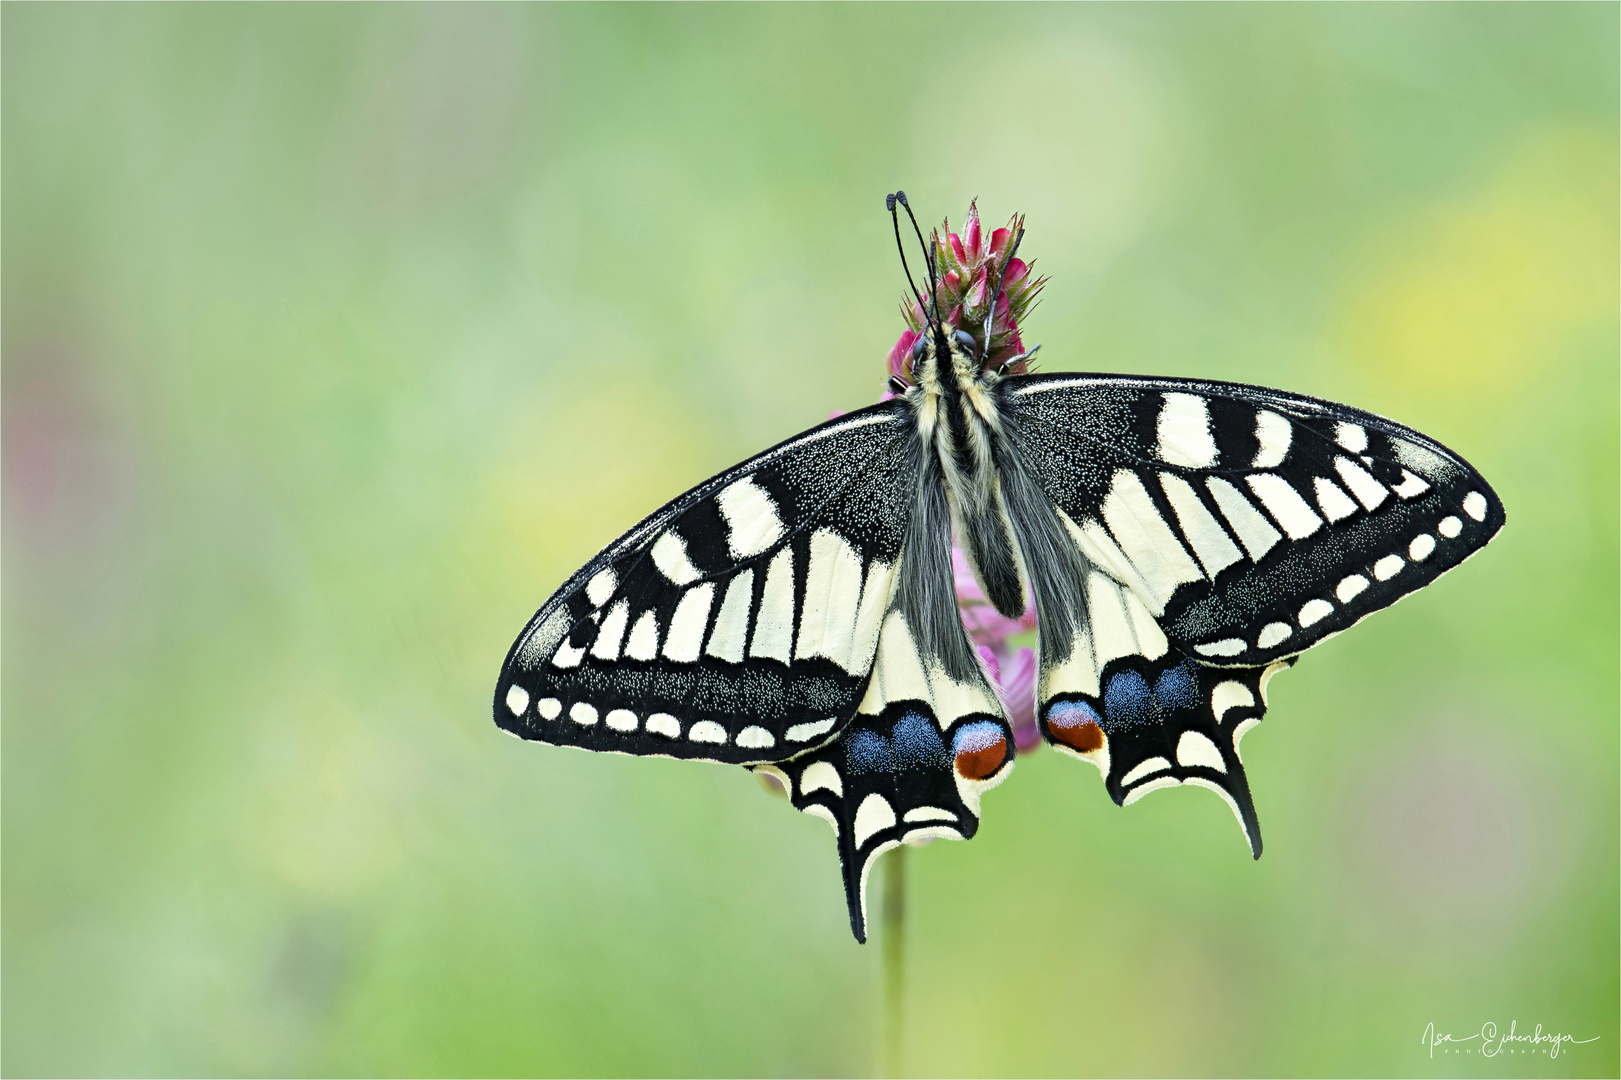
969, 265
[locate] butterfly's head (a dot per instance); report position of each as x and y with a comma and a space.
937, 356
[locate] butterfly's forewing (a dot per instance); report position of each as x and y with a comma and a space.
739, 622
1252, 523
1224, 529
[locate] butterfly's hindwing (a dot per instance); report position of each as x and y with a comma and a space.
900, 774
738, 623
1163, 722
1123, 697
1252, 523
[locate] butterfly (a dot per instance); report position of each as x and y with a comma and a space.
1183, 539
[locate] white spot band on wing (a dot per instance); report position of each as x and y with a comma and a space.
752, 521
819, 776
1272, 434
808, 731
774, 625
688, 623
1388, 567
1350, 587
1335, 504
1146, 539
1253, 530
1184, 432
731, 633
1195, 748
872, 816
1229, 695
707, 731
1315, 611
1153, 785
644, 638
1144, 768
1273, 634
567, 656
1285, 504
755, 738
1368, 491
832, 596
1411, 486
1211, 545
600, 589
612, 632
670, 556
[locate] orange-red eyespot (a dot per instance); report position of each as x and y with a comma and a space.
980, 750
1075, 724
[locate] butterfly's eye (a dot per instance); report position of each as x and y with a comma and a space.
918, 346
966, 342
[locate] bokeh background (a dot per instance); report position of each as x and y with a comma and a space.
335, 337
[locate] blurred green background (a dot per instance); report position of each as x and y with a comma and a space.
335, 337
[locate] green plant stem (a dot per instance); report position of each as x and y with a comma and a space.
894, 921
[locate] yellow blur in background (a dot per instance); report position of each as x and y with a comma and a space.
335, 337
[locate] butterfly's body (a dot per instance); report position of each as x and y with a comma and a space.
958, 413
1183, 541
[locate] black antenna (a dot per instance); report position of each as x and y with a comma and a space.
895, 218
928, 253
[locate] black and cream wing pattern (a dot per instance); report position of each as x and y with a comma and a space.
739, 623
754, 621
1224, 530
1183, 540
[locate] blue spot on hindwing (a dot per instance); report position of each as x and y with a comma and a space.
1127, 700
868, 751
1071, 714
979, 735
917, 744
1178, 688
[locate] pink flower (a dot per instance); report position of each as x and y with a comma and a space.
985, 624
968, 265
1013, 670
1018, 685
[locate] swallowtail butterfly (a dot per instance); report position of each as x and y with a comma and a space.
1184, 540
